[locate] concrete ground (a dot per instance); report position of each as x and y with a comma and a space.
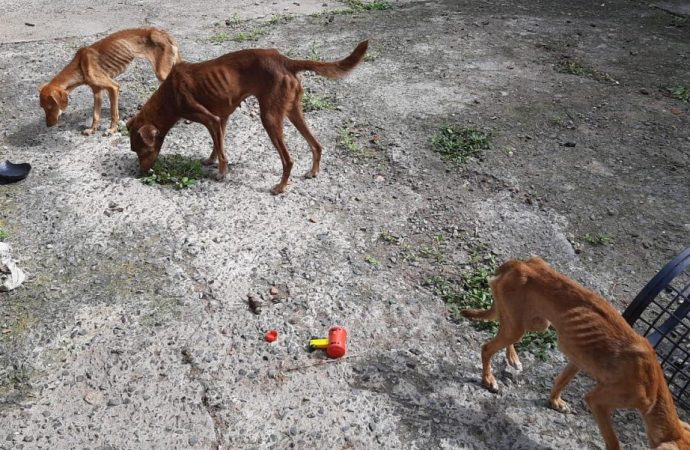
132, 329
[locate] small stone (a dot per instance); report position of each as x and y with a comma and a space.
569, 144
28, 439
313, 220
372, 426
644, 91
114, 402
274, 291
193, 440
254, 304
92, 397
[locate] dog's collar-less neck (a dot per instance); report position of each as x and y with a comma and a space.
161, 116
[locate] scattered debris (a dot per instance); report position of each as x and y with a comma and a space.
335, 345
254, 304
11, 276
271, 335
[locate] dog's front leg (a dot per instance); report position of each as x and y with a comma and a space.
499, 342
97, 102
215, 126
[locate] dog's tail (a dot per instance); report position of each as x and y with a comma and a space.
480, 314
330, 69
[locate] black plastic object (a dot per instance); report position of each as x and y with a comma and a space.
660, 313
10, 172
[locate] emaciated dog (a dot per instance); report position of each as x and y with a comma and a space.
97, 65
530, 296
209, 92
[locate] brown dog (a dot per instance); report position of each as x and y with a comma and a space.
97, 65
208, 92
530, 296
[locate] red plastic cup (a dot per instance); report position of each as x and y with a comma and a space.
337, 342
271, 335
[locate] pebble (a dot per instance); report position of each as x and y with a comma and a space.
92, 397
193, 440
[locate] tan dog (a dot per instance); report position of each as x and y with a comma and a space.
208, 92
530, 296
97, 65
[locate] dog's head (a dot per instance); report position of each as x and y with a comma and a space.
145, 140
53, 101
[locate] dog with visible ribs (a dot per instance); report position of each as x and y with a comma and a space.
98, 64
530, 296
208, 92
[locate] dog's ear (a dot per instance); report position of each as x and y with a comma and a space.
40, 88
148, 134
129, 122
60, 98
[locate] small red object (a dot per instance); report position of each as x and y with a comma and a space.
337, 342
271, 335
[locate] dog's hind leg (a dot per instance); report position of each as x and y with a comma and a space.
561, 381
274, 127
601, 400
297, 118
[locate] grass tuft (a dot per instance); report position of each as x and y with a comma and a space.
680, 93
219, 38
3, 234
457, 145
375, 5
176, 170
372, 260
572, 67
313, 102
348, 139
596, 239
252, 35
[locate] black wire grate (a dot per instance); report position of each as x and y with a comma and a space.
660, 313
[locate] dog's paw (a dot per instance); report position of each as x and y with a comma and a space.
220, 177
490, 384
514, 363
277, 189
559, 405
208, 161
109, 131
310, 174
88, 131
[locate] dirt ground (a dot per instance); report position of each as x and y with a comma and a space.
132, 329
